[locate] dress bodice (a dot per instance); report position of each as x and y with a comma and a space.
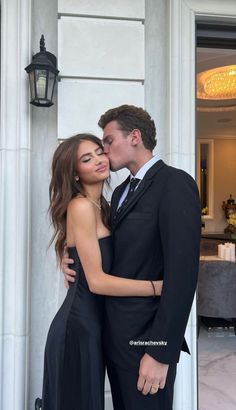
106, 253
89, 304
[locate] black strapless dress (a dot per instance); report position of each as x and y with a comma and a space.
74, 369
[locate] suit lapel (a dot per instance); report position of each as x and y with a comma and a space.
142, 188
116, 197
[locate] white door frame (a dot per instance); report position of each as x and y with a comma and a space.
182, 142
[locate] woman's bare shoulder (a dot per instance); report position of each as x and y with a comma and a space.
80, 204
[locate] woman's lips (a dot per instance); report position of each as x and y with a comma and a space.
102, 168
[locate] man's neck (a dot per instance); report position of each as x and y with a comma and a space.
138, 163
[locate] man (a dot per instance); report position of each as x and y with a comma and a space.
156, 235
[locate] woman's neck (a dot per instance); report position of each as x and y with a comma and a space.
93, 192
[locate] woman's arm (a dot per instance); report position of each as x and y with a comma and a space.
83, 222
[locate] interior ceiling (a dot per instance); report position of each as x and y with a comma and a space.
221, 123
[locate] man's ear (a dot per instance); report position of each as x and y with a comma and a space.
136, 137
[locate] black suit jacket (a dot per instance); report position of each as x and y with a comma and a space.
156, 236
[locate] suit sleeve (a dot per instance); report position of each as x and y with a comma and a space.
180, 230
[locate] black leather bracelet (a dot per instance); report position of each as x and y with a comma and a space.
154, 290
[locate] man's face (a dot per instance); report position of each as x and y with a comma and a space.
116, 146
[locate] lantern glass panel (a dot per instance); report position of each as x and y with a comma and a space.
51, 83
32, 84
41, 83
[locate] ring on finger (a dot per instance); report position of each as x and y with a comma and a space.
154, 389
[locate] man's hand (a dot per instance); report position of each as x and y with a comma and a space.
152, 375
69, 274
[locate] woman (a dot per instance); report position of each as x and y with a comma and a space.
74, 366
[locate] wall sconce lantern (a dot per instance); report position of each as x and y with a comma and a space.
42, 76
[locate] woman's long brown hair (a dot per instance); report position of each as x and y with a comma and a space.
63, 187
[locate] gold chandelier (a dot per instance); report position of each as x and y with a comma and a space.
217, 84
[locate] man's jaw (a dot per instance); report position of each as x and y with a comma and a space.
115, 168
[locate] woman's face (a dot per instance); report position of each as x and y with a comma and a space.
92, 163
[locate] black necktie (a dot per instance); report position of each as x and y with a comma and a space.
132, 185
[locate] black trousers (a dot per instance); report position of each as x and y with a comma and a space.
125, 395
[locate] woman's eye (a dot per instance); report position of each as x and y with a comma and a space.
86, 160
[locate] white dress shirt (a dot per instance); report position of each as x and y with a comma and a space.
140, 175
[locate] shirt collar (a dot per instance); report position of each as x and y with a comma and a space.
143, 170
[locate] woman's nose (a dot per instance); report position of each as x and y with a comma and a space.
98, 159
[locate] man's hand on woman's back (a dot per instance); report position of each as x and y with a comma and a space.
69, 274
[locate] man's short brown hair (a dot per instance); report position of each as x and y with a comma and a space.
129, 118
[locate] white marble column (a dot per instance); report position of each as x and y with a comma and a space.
181, 153
165, 63
14, 203
45, 284
156, 70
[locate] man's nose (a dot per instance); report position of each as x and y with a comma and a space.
105, 149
